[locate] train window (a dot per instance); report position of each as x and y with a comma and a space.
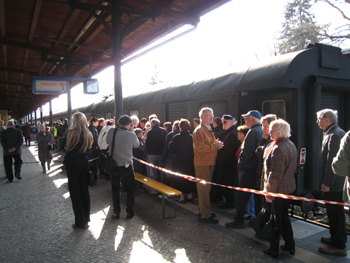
135, 112
220, 107
108, 115
277, 107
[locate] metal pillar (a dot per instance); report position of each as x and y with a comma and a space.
69, 98
117, 55
50, 110
41, 115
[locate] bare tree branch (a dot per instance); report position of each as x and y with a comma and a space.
334, 6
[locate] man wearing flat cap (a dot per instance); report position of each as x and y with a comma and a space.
248, 162
226, 162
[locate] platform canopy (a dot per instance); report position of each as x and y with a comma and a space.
39, 37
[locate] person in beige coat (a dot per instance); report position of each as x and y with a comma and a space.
205, 148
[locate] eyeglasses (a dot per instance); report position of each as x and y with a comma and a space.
272, 131
225, 121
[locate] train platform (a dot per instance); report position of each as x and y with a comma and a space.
36, 220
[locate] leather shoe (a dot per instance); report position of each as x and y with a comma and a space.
130, 215
18, 177
330, 250
211, 214
189, 200
268, 252
183, 201
115, 216
291, 251
210, 220
326, 240
235, 224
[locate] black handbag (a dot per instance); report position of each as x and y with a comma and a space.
265, 223
91, 179
111, 164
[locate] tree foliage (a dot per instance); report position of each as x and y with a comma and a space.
299, 28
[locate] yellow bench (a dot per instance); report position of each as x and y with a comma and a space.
162, 188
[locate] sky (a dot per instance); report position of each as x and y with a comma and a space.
227, 39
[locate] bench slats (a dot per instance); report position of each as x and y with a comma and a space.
167, 190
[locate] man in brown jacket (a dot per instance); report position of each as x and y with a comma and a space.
205, 149
27, 131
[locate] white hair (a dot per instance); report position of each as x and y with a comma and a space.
332, 115
134, 119
204, 111
281, 127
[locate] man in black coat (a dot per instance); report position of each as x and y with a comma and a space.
154, 147
332, 184
94, 149
226, 161
11, 141
248, 162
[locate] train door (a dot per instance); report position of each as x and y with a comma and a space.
335, 101
279, 102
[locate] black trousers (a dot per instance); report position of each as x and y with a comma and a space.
248, 180
227, 176
27, 140
126, 177
8, 165
79, 194
284, 225
336, 217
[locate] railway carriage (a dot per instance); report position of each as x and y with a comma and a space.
293, 86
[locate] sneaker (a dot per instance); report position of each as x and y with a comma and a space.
326, 240
330, 250
115, 216
235, 224
210, 220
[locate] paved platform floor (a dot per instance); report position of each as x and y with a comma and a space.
36, 218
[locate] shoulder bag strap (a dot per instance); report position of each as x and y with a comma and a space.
182, 146
115, 132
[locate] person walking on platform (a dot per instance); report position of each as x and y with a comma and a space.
44, 140
79, 139
27, 132
124, 142
248, 162
332, 184
11, 141
2, 128
205, 149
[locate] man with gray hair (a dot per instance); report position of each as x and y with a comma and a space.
154, 147
205, 148
2, 126
11, 141
332, 184
248, 162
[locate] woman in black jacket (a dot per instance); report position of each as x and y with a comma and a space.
79, 139
181, 150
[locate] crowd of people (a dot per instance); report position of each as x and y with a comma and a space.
257, 155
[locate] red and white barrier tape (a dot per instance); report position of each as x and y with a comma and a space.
198, 180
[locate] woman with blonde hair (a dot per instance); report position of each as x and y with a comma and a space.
79, 139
